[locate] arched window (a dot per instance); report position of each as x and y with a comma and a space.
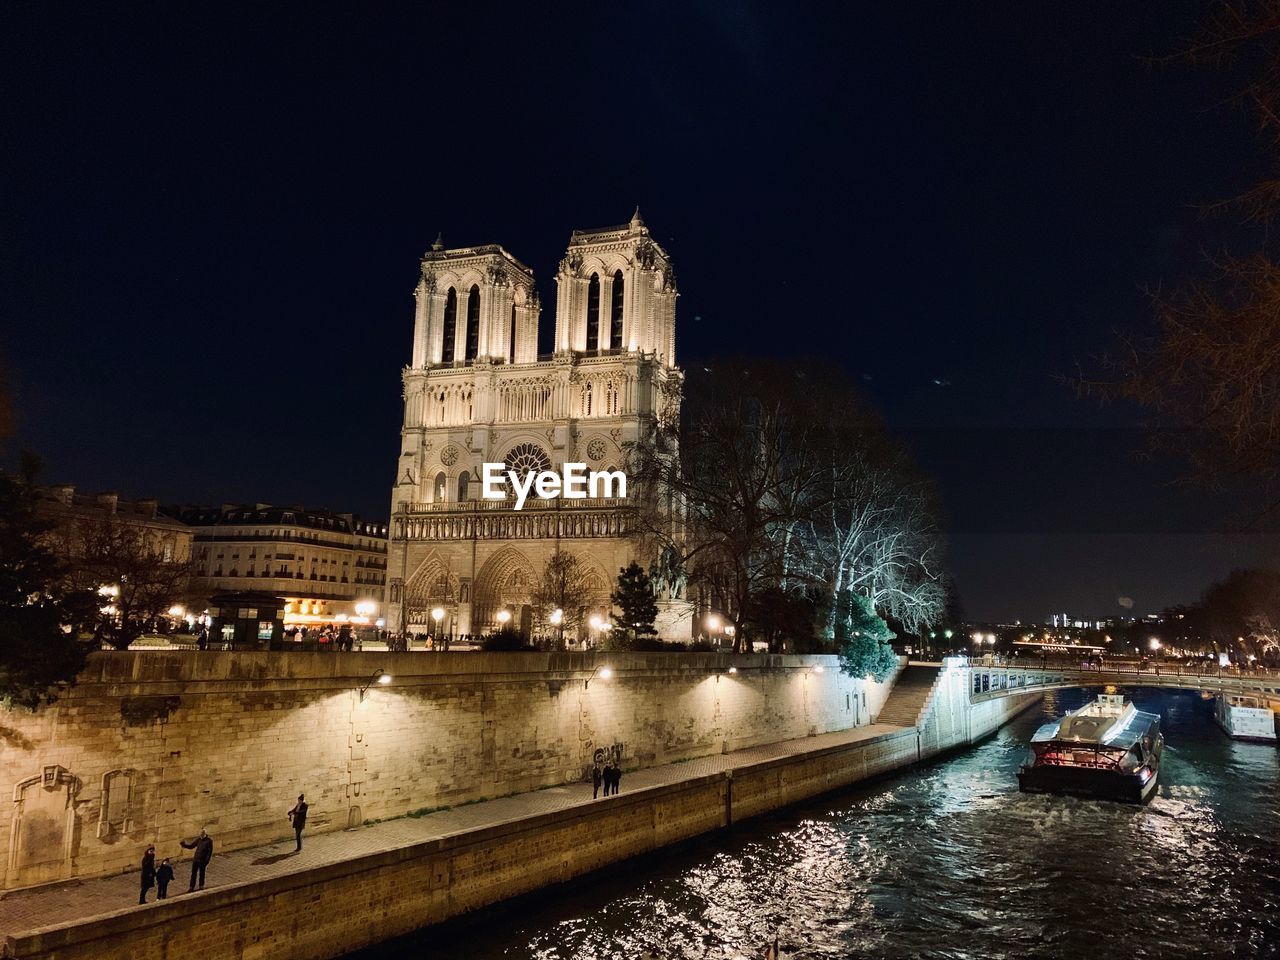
615, 313
586, 400
450, 325
438, 492
464, 483
593, 313
511, 352
473, 323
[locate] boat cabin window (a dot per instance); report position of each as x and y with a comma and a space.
1139, 753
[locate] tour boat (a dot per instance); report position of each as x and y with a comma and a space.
1245, 718
1107, 749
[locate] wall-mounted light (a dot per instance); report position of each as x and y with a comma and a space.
380, 677
604, 673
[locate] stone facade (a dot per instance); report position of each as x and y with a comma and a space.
69, 510
323, 564
151, 747
477, 391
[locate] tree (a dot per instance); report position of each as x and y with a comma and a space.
787, 617
1240, 616
863, 638
562, 587
40, 616
787, 484
123, 561
1207, 374
636, 606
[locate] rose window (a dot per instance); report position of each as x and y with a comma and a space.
596, 449
449, 455
526, 457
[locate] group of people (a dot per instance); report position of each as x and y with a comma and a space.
202, 846
608, 776
161, 876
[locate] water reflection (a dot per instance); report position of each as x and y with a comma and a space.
946, 861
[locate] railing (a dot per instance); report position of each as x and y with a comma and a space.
498, 520
1148, 668
991, 679
509, 503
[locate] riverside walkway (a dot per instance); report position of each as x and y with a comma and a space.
85, 901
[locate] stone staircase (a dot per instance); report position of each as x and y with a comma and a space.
910, 695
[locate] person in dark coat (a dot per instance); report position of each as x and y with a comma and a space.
298, 817
148, 873
597, 778
203, 847
164, 876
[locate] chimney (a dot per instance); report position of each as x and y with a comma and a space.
149, 507
107, 501
65, 493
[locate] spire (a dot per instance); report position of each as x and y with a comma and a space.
636, 220
439, 241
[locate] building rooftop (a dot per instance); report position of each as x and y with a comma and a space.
229, 514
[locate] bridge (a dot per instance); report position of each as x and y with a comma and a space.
989, 681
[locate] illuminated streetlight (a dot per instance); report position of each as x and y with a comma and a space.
504, 617
713, 622
604, 673
596, 622
379, 677
557, 617
177, 610
366, 608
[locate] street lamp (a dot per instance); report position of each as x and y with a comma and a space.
557, 621
604, 673
504, 617
380, 677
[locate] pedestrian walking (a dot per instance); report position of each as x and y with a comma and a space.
597, 778
148, 878
164, 876
617, 778
298, 817
203, 847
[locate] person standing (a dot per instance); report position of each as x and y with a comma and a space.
148, 879
203, 847
164, 875
617, 777
597, 778
298, 817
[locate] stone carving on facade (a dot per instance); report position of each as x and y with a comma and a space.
616, 433
496, 276
645, 254
596, 449
449, 455
667, 576
429, 282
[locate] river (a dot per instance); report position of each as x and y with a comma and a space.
947, 860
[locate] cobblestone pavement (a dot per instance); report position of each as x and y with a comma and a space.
27, 911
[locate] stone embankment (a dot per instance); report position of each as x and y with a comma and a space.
354, 887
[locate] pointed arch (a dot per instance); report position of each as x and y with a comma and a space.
615, 312
473, 323
593, 312
507, 579
450, 326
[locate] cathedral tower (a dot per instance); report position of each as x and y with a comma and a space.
476, 391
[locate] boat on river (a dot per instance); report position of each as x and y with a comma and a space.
1108, 749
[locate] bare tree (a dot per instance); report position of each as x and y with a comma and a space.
1209, 374
789, 485
563, 587
137, 581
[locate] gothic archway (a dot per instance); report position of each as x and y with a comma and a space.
506, 581
432, 585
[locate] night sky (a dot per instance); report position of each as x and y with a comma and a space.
211, 219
